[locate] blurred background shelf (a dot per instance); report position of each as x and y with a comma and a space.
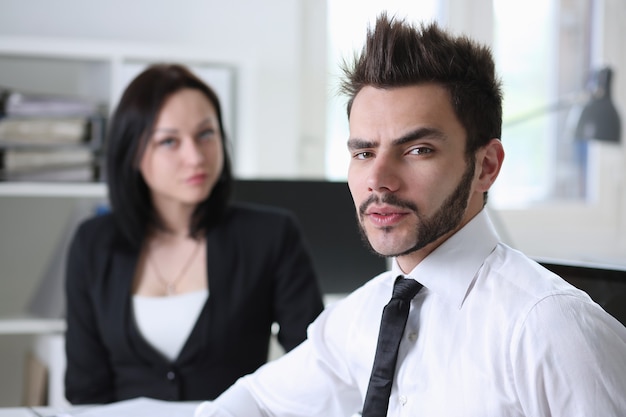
30, 325
47, 189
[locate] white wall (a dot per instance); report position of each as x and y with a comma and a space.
277, 46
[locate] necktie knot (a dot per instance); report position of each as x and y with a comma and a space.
405, 288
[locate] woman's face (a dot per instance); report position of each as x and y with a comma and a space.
184, 156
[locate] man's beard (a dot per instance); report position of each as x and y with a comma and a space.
428, 229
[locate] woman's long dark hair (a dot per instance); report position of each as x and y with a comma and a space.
126, 141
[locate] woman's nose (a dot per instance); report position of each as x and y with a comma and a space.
192, 152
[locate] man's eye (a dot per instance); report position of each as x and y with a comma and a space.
420, 150
362, 155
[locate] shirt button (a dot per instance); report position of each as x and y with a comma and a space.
171, 375
413, 336
402, 400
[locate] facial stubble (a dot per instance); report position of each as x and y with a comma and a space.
428, 229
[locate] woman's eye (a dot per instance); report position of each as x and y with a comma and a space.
206, 134
168, 142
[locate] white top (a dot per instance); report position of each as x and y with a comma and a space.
167, 322
492, 334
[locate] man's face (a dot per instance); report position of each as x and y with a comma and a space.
409, 176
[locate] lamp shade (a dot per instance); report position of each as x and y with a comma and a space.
598, 118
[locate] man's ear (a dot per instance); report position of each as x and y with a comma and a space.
489, 161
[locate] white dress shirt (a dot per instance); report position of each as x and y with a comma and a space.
492, 334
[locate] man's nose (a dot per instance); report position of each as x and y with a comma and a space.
383, 175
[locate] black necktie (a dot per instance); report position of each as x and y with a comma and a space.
392, 325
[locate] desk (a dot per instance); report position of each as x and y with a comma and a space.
30, 412
40, 411
138, 407
19, 412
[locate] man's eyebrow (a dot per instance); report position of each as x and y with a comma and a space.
356, 143
419, 133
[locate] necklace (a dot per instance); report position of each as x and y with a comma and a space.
170, 286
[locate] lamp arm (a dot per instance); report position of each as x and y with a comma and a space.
562, 104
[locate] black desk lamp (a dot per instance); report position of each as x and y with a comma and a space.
595, 119
598, 119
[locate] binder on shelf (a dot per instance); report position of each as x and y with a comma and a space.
26, 104
49, 138
28, 160
19, 131
68, 165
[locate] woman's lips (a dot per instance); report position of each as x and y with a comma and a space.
196, 179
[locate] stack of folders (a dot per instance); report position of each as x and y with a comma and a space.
48, 137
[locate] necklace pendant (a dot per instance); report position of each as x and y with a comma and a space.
171, 289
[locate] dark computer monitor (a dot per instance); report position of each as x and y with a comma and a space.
327, 217
605, 284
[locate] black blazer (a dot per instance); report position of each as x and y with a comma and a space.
259, 272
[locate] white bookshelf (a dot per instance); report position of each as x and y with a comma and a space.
99, 71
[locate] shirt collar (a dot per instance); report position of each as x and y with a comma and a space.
450, 269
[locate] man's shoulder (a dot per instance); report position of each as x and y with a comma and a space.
517, 267
522, 281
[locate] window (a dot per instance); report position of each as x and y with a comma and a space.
542, 54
